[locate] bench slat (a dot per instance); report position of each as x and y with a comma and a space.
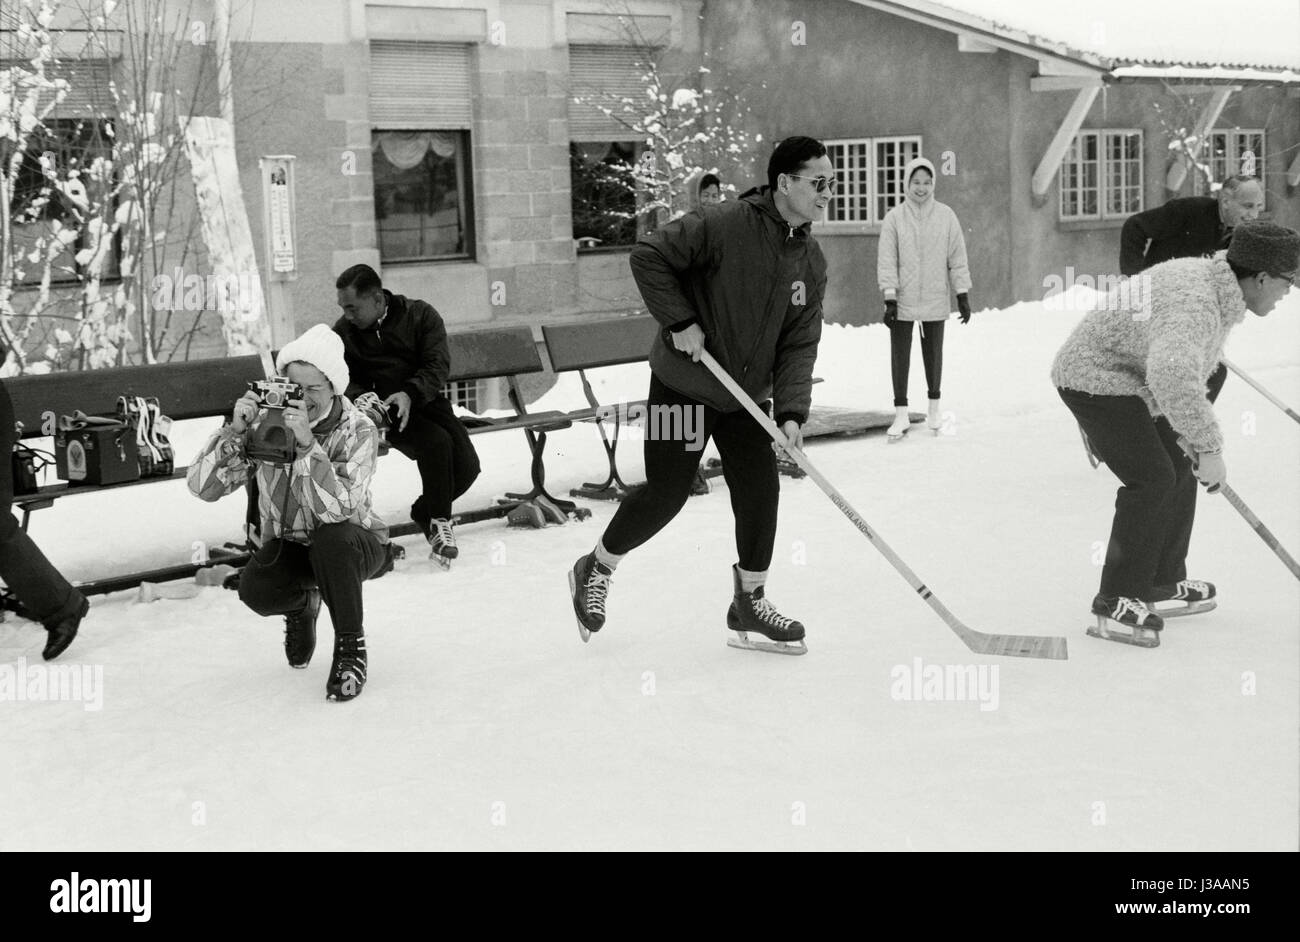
600, 343
191, 389
485, 354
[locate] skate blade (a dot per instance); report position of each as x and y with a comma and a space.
895, 439
741, 639
1186, 608
583, 633
1140, 638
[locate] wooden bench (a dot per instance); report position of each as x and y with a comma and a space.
505, 353
612, 342
193, 389
593, 345
208, 388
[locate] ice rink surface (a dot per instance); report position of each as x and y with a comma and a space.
487, 724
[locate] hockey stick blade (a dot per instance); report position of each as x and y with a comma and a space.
1032, 646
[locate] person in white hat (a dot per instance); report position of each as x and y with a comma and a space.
921, 264
321, 538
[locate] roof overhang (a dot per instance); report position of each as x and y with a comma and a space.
976, 34
1203, 75
1066, 66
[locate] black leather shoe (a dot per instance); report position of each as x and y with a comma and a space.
63, 632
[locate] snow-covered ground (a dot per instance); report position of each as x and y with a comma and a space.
486, 723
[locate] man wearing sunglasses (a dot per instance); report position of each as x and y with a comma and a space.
745, 280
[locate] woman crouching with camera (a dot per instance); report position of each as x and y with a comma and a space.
312, 454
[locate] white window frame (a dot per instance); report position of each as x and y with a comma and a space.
470, 394
1102, 136
1126, 183
862, 186
1234, 145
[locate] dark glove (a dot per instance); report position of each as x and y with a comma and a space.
891, 313
963, 307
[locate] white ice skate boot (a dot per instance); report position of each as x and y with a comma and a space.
902, 422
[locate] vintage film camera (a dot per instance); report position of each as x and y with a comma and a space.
268, 439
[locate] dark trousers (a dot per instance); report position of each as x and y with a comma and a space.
1156, 506
748, 465
340, 558
440, 447
33, 580
900, 361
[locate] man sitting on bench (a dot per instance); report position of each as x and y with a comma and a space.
396, 349
313, 458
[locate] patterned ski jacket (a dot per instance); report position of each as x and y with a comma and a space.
1159, 335
327, 483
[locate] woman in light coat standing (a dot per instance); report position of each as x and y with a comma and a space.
922, 257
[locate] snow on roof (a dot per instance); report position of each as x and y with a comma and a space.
1263, 36
1206, 74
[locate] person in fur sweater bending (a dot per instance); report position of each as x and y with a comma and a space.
922, 256
1133, 372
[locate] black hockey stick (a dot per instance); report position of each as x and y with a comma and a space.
1261, 390
1248, 515
1009, 645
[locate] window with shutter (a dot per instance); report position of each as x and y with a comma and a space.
604, 147
606, 78
421, 112
420, 85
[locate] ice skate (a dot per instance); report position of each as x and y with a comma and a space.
1192, 597
348, 672
932, 418
300, 632
902, 422
589, 586
159, 426
442, 542
1126, 620
751, 613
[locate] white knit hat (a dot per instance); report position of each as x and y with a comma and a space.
323, 349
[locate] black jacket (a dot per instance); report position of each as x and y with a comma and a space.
754, 285
1182, 228
408, 353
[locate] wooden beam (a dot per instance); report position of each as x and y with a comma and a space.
1057, 67
1209, 115
1063, 83
969, 43
1055, 152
